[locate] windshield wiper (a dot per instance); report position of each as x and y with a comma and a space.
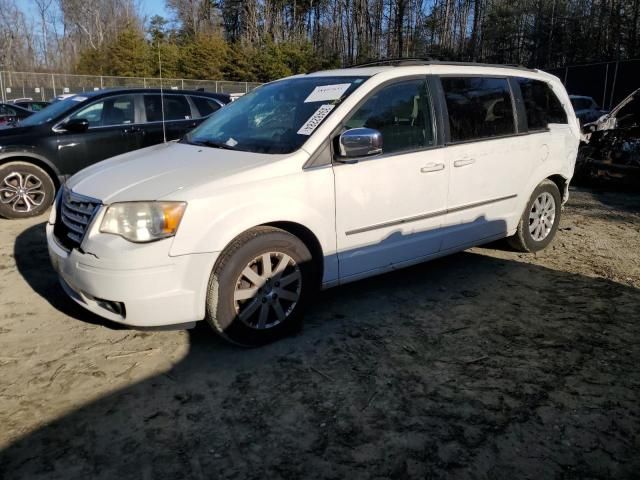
211, 143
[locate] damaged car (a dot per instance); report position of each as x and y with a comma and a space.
610, 147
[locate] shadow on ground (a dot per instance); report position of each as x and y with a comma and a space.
465, 367
33, 263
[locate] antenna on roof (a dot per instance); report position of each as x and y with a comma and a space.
164, 129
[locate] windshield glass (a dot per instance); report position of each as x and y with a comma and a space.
275, 118
629, 115
52, 111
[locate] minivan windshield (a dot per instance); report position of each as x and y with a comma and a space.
52, 111
275, 118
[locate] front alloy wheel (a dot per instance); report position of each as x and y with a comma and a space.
267, 290
259, 287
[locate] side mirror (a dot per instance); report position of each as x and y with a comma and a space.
360, 142
76, 125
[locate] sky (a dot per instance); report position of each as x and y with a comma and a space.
149, 8
154, 7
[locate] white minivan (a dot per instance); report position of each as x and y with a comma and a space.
313, 181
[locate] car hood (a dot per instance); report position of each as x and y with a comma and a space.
154, 172
14, 130
607, 121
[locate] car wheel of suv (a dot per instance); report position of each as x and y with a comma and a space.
26, 190
259, 286
540, 219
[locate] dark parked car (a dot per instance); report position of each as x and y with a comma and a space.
32, 105
10, 114
586, 108
38, 154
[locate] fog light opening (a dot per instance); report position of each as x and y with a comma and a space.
113, 307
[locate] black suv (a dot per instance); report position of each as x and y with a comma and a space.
11, 114
44, 149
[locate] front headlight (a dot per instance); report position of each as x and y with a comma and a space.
143, 221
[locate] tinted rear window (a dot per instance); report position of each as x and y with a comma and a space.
478, 107
176, 107
205, 106
541, 104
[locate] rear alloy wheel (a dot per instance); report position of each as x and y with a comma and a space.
540, 220
259, 286
26, 190
542, 216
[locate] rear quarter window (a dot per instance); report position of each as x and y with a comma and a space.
205, 106
478, 107
541, 104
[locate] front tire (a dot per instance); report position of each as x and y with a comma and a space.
539, 222
26, 190
259, 287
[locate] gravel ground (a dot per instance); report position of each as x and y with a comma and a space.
485, 364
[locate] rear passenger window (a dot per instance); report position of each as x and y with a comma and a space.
205, 106
176, 107
479, 107
401, 113
541, 104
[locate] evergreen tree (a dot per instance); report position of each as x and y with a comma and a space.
239, 65
129, 55
204, 57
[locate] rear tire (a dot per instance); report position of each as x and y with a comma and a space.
539, 222
259, 287
26, 190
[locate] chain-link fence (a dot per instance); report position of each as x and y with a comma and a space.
607, 83
45, 86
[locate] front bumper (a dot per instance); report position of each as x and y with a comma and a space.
152, 287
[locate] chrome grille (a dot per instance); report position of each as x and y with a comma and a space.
74, 215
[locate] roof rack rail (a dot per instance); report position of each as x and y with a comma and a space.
406, 61
395, 61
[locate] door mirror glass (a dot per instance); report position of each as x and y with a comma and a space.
76, 125
360, 142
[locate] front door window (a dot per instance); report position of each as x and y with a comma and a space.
109, 112
401, 113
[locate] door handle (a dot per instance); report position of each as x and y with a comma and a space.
464, 162
132, 130
432, 167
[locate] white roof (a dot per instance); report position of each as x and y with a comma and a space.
436, 68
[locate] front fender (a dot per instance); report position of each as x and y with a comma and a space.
212, 221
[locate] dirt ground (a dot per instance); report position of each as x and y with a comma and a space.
487, 364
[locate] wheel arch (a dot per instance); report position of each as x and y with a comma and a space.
308, 238
37, 161
563, 185
304, 234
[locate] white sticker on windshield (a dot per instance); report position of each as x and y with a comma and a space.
78, 98
232, 142
327, 92
315, 119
